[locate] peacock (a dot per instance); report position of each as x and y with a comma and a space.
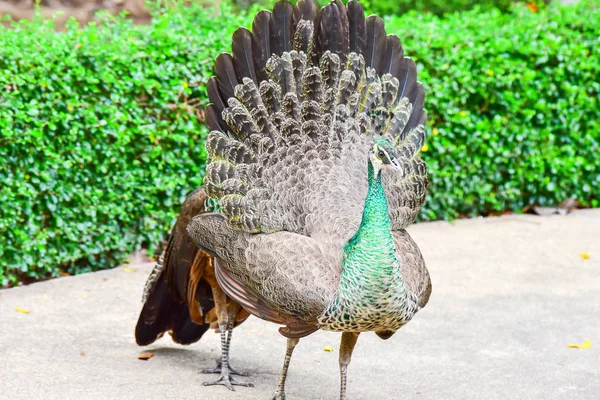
182, 296
314, 174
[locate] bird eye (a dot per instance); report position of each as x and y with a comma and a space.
381, 154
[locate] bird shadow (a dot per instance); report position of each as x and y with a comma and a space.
183, 354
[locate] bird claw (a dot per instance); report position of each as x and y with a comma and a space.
278, 396
228, 381
234, 371
217, 370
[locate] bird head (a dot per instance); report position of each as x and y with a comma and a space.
383, 155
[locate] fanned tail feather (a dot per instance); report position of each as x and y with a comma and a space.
298, 87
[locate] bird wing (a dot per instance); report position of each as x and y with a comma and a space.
282, 277
412, 265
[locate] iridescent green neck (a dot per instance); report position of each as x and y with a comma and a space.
370, 253
376, 215
371, 294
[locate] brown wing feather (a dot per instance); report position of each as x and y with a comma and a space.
235, 288
202, 262
240, 293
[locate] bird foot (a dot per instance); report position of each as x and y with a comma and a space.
217, 370
278, 396
228, 381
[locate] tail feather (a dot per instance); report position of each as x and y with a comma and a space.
376, 42
280, 31
332, 30
212, 87
163, 313
303, 37
322, 78
357, 27
241, 47
408, 79
305, 9
226, 76
261, 47
394, 56
213, 119
418, 100
177, 294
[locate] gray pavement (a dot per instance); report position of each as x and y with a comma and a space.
509, 295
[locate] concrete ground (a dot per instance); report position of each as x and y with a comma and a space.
509, 295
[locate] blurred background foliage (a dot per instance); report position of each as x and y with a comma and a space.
101, 132
399, 7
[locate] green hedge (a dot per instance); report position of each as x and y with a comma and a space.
438, 7
392, 7
100, 142
513, 105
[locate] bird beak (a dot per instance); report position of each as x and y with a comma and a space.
396, 164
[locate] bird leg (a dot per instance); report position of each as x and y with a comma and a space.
346, 347
280, 392
217, 369
233, 309
226, 323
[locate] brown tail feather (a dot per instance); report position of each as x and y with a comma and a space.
163, 313
178, 299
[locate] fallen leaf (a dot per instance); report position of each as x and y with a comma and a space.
129, 269
64, 273
82, 354
85, 296
22, 310
585, 345
585, 256
499, 213
328, 349
145, 356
